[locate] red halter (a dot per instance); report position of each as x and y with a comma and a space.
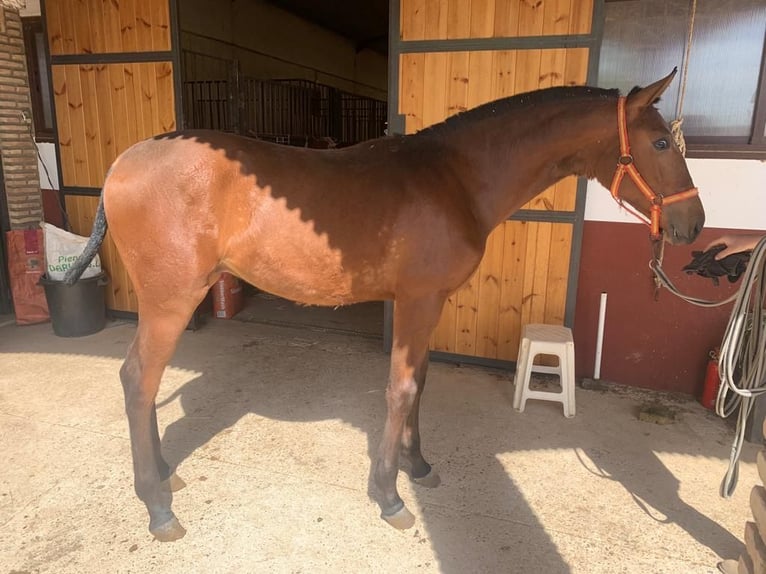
625, 165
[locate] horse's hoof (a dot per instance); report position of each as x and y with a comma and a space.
402, 519
175, 482
431, 480
168, 532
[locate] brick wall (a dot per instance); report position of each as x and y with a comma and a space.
17, 147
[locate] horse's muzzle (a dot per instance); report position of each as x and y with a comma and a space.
685, 231
683, 221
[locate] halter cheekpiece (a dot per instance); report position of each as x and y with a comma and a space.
625, 164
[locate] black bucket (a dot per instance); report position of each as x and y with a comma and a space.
76, 310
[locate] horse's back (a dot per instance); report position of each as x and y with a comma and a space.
317, 226
285, 219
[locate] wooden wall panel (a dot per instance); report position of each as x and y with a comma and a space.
71, 90
102, 109
113, 27
455, 19
94, 139
120, 295
105, 101
55, 34
129, 36
103, 27
411, 91
458, 19
95, 15
511, 288
558, 273
159, 23
490, 292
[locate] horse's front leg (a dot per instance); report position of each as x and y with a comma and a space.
414, 320
420, 471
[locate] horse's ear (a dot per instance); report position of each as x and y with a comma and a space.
647, 96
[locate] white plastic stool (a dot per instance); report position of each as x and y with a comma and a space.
539, 339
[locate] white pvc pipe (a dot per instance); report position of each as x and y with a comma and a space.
600, 336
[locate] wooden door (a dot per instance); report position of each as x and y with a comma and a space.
114, 77
452, 55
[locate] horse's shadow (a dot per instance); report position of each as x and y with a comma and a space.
478, 517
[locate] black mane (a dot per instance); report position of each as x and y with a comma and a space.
519, 101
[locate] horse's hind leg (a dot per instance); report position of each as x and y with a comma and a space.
167, 475
159, 328
414, 319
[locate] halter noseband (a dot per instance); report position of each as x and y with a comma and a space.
625, 165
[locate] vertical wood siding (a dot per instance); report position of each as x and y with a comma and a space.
451, 19
103, 107
107, 27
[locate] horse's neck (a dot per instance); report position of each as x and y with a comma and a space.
517, 158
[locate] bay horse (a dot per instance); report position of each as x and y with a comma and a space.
402, 218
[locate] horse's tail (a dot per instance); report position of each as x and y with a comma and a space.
91, 248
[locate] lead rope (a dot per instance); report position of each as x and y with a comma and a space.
675, 125
658, 253
661, 279
742, 360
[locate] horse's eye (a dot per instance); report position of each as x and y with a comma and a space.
661, 144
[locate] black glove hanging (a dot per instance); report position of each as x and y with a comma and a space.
705, 264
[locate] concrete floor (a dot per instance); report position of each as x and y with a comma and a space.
272, 426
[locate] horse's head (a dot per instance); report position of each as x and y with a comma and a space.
651, 173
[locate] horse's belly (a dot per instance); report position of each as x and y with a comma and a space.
307, 248
301, 287
318, 277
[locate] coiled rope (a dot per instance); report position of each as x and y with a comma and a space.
742, 360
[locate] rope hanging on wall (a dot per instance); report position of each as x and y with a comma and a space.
742, 361
675, 125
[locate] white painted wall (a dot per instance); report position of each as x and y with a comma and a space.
733, 192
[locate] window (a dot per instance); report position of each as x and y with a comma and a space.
37, 68
724, 106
